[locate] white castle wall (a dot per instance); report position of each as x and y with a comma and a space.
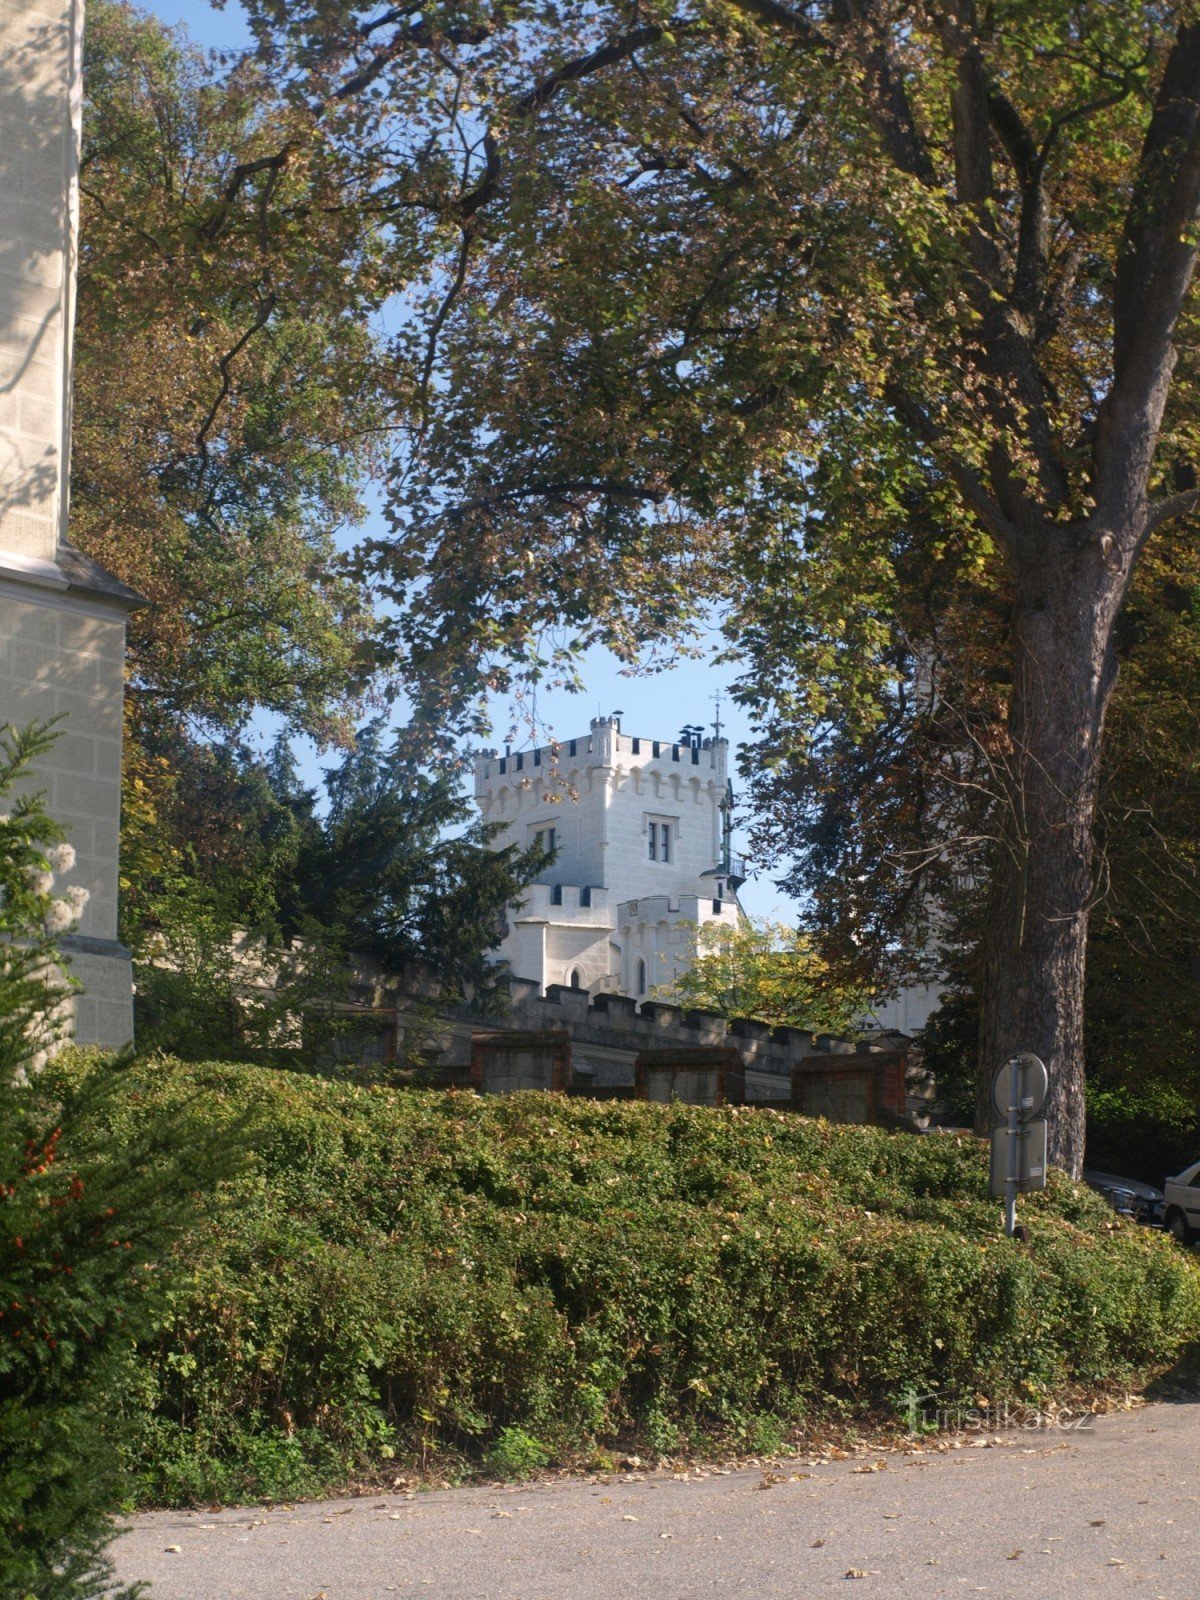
62, 619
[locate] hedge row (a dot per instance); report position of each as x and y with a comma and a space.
408, 1276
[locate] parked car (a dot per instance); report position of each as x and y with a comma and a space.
1181, 1204
1140, 1201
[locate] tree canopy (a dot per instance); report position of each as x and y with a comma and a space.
768, 972
796, 310
229, 410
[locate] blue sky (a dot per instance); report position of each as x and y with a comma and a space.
656, 705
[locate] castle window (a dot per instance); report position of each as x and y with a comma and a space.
543, 839
576, 978
641, 977
637, 747
585, 895
556, 895
660, 838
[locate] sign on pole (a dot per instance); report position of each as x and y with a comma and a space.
1030, 1146
1018, 1162
1029, 1089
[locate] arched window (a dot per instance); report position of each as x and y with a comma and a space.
576, 978
641, 977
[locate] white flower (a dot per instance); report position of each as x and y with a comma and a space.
62, 857
77, 897
41, 882
59, 917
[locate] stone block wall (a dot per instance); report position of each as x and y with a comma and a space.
62, 656
609, 1033
40, 91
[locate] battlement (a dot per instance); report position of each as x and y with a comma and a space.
604, 746
609, 1031
586, 904
675, 909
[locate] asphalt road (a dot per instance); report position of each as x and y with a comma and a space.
1110, 1510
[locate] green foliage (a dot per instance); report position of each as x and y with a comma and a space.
1150, 1132
228, 407
402, 869
246, 905
84, 1227
766, 971
417, 1277
514, 1454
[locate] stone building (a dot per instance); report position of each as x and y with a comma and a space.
641, 834
62, 618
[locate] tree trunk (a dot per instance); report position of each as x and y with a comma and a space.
1066, 601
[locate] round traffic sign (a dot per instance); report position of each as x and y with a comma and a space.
1027, 1073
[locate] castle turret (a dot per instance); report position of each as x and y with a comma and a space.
630, 820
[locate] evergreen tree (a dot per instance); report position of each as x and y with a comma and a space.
85, 1229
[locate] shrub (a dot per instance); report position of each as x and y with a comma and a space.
83, 1228
404, 1276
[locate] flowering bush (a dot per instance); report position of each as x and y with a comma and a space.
83, 1226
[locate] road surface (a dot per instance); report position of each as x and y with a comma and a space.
1095, 1513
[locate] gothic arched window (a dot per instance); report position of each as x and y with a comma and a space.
641, 977
576, 978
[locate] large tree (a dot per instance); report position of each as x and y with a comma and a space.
724, 292
229, 393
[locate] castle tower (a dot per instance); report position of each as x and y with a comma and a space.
639, 827
62, 618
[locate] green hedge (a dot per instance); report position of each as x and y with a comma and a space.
403, 1275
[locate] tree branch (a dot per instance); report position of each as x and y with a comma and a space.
262, 317
1154, 270
1175, 505
969, 486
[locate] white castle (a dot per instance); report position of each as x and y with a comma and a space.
641, 830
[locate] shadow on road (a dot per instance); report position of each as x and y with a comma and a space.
1180, 1383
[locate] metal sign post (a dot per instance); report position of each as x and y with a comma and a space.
1018, 1163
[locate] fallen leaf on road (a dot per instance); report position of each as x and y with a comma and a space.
871, 1466
1116, 1562
173, 1549
856, 1572
817, 1543
1097, 1522
628, 1518
1016, 1555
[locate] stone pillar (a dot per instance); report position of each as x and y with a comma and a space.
62, 617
